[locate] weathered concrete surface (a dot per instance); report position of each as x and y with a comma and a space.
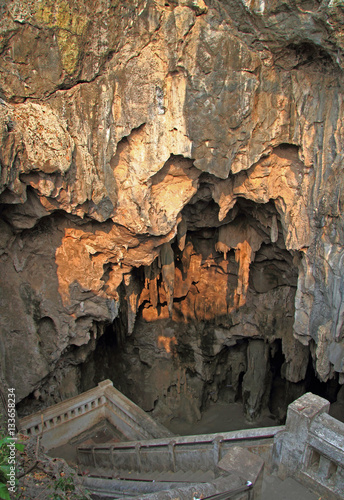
60, 423
311, 447
125, 129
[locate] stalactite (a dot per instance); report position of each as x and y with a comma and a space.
181, 234
186, 257
153, 284
167, 270
242, 237
243, 255
132, 289
274, 229
147, 272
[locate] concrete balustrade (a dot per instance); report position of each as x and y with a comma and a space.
180, 453
129, 418
311, 448
58, 424
236, 471
323, 460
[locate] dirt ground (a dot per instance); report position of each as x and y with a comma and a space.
219, 417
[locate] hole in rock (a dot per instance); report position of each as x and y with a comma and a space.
204, 340
204, 336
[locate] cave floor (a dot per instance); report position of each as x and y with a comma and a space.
226, 417
101, 433
219, 417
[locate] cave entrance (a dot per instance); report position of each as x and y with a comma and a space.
100, 363
204, 338
209, 321
208, 326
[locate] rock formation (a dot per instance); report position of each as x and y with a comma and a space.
170, 175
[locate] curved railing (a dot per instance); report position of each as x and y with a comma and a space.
59, 423
175, 453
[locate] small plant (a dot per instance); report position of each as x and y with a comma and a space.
65, 485
5, 467
65, 489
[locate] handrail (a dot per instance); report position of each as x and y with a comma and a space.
152, 428
242, 435
103, 401
224, 495
171, 453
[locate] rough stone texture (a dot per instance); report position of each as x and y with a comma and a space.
137, 139
311, 447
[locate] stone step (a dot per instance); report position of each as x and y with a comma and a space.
186, 477
118, 488
168, 476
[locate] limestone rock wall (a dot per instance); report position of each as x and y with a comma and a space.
130, 131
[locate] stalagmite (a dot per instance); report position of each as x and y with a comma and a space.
257, 379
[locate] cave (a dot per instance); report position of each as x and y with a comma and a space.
209, 324
172, 216
205, 328
171, 204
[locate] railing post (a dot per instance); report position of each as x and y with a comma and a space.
94, 457
138, 456
289, 446
171, 450
217, 449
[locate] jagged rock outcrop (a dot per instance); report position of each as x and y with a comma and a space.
170, 161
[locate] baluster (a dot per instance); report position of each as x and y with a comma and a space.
94, 457
324, 467
138, 456
339, 478
112, 458
171, 449
217, 449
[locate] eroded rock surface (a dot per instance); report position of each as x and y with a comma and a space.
172, 168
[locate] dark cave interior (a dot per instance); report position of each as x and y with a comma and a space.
205, 324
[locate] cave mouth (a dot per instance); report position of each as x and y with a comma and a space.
204, 335
191, 405
208, 327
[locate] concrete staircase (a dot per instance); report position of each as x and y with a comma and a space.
135, 457
149, 461
60, 423
199, 466
131, 484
